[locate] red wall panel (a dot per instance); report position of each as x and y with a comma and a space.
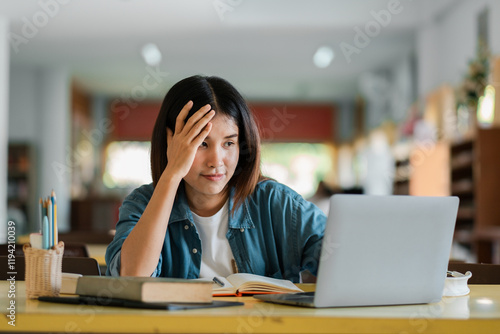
276, 121
295, 122
134, 122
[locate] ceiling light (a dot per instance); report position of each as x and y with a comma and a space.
151, 54
323, 57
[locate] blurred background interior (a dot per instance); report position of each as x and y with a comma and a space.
375, 97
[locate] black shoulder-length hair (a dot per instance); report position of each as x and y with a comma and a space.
224, 99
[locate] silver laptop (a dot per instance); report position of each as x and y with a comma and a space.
381, 250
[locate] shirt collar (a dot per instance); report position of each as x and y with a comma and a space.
240, 219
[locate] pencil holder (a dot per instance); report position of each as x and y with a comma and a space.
43, 270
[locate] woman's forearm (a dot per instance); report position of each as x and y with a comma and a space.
141, 250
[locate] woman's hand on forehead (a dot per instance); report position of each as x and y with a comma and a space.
183, 143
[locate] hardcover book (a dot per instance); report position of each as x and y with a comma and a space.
146, 289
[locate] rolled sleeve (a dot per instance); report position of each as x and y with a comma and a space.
114, 265
129, 214
310, 232
297, 228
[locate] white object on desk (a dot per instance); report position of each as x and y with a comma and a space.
456, 285
68, 283
36, 240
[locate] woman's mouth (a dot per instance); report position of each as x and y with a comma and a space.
213, 177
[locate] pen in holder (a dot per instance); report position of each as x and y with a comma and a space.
43, 270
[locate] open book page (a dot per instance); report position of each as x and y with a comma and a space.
227, 290
242, 283
250, 283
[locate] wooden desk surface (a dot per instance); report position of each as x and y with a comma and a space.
478, 312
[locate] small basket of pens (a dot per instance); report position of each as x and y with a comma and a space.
43, 270
43, 255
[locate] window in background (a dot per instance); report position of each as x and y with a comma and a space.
127, 164
298, 165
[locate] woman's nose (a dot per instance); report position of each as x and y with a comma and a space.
215, 158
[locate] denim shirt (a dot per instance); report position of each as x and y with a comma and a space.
274, 233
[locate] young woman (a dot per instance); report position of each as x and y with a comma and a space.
209, 212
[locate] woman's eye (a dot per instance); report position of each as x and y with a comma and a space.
229, 143
204, 144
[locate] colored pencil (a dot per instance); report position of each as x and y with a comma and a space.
45, 233
44, 209
54, 216
40, 216
51, 228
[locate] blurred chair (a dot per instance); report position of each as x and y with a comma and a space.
4, 249
482, 273
81, 265
76, 265
75, 249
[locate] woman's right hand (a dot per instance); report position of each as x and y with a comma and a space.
183, 144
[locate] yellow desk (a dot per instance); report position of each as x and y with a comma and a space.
97, 252
479, 312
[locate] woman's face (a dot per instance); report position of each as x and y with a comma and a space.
215, 161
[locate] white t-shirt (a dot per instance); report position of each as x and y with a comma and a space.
216, 253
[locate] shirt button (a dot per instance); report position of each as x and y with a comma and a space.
242, 230
195, 251
186, 227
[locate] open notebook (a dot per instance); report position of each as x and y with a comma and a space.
250, 284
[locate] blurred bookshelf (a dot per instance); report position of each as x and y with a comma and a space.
474, 166
21, 185
462, 185
401, 184
486, 232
